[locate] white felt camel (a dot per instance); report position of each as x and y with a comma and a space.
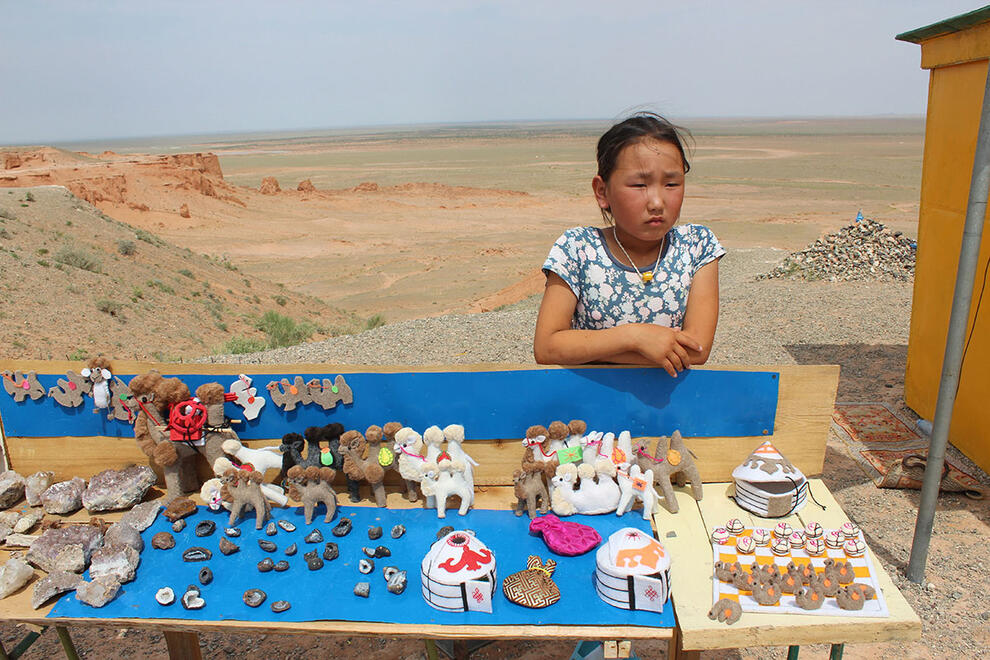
409, 448
441, 480
596, 490
210, 491
261, 459
455, 437
636, 485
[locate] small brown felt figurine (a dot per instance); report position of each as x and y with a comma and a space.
853, 596
725, 610
20, 385
359, 467
809, 597
827, 583
529, 488
671, 458
791, 581
217, 429
766, 593
287, 395
69, 391
242, 488
537, 456
745, 580
726, 571
842, 571
327, 394
311, 486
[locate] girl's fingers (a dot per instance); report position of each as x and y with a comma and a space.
687, 341
683, 355
675, 360
669, 368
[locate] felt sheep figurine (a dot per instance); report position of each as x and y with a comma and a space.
408, 446
261, 459
636, 485
597, 491
441, 480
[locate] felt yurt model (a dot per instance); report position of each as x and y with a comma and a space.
633, 571
459, 574
768, 484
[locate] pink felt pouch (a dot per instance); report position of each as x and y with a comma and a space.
565, 538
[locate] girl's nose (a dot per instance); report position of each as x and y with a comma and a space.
654, 199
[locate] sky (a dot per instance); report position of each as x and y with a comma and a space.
103, 69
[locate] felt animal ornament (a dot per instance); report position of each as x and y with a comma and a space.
537, 456
670, 459
242, 488
791, 581
454, 435
622, 453
809, 597
155, 396
530, 489
216, 429
584, 489
458, 574
636, 485
261, 459
409, 447
744, 580
292, 448
591, 446
533, 587
142, 403
21, 386
765, 573
359, 467
211, 491
725, 610
768, 484
288, 395
433, 447
441, 480
854, 596
566, 538
108, 393
842, 571
632, 571
247, 397
322, 447
327, 394
570, 449
766, 593
726, 571
380, 450
312, 486
826, 583
69, 391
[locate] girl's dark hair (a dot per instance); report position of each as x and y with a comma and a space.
640, 126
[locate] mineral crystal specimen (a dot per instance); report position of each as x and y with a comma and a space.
112, 490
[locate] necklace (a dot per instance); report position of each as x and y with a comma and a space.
647, 276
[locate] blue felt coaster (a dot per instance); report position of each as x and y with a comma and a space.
328, 593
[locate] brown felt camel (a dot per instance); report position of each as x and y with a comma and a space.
529, 488
211, 395
359, 467
242, 488
311, 486
672, 458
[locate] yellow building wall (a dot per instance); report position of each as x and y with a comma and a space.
955, 100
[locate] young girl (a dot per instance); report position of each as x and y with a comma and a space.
642, 290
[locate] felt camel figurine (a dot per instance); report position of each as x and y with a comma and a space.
323, 450
842, 571
596, 491
854, 596
766, 592
726, 571
69, 391
20, 385
312, 486
454, 434
359, 467
809, 597
537, 456
408, 447
827, 583
261, 459
672, 457
575, 431
443, 479
211, 491
217, 431
791, 581
287, 395
243, 489
528, 488
327, 394
726, 611
292, 447
636, 485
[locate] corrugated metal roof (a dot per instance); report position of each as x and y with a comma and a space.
948, 26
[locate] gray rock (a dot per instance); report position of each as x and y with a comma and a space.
362, 589
314, 537
397, 582
20, 540
54, 584
291, 550
343, 528
179, 525
266, 565
205, 575
5, 531
142, 515
14, 574
374, 532
118, 561
120, 533
11, 489
47, 546
163, 541
112, 490
37, 484
281, 566
267, 545
71, 558
226, 547
99, 592
64, 496
331, 551
232, 532
28, 520
313, 561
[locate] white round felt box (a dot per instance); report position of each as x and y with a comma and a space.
633, 571
768, 484
458, 574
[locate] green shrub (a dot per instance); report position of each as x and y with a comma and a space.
158, 284
126, 248
283, 331
280, 300
147, 237
41, 251
137, 292
375, 321
187, 273
238, 345
46, 264
7, 215
111, 307
29, 197
78, 259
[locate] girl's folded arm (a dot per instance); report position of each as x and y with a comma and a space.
701, 315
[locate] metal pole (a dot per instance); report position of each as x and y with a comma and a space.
969, 254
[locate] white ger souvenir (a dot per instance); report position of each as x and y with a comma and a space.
247, 396
458, 574
632, 571
768, 484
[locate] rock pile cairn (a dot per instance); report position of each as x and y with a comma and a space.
865, 250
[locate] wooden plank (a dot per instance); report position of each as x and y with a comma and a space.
182, 645
693, 592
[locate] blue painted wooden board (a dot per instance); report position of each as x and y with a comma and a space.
490, 404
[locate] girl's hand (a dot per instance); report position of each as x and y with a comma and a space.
665, 347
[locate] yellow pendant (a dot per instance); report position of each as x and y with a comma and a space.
647, 278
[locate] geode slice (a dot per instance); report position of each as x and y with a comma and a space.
180, 507
112, 490
165, 596
205, 528
314, 537
374, 532
281, 566
443, 531
397, 582
362, 589
120, 533
366, 566
271, 529
286, 525
98, 592
280, 606
313, 561
398, 531
266, 565
191, 600
54, 584
377, 553
267, 545
232, 532
14, 574
47, 546
64, 496
331, 551
196, 553
254, 597
142, 515
179, 525
226, 547
163, 541
291, 550
205, 576
11, 489
37, 484
118, 561
343, 528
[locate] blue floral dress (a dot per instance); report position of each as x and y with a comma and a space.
610, 293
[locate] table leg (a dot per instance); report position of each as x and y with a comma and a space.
792, 652
675, 648
67, 645
837, 650
431, 650
182, 645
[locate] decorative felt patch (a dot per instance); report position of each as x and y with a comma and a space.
533, 587
565, 538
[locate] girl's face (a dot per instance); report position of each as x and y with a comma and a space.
644, 192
